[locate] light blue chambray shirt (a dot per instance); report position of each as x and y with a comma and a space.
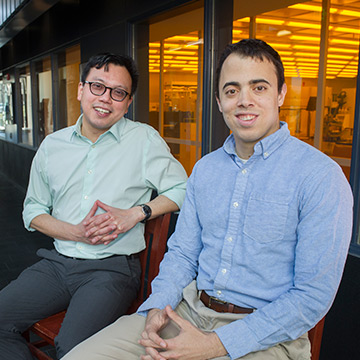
271, 234
69, 173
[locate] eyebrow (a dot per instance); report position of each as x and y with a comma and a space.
115, 87
251, 82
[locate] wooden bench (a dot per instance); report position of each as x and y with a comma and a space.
156, 234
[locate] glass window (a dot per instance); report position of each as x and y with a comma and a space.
8, 129
175, 83
294, 31
44, 81
69, 77
26, 106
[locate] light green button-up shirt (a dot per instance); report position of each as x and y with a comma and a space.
122, 168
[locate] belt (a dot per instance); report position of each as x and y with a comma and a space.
130, 257
222, 306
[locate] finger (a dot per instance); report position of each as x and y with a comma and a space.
98, 220
103, 206
175, 317
91, 213
154, 354
102, 230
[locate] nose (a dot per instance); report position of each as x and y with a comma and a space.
105, 97
245, 98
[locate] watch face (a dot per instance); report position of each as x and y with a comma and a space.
146, 210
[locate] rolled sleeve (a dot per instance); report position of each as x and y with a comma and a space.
38, 198
163, 172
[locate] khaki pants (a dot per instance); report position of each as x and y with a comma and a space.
120, 340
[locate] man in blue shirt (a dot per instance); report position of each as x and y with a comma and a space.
90, 189
261, 240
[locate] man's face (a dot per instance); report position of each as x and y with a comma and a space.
249, 100
102, 112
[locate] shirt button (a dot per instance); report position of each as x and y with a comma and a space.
86, 197
218, 292
235, 204
266, 154
93, 146
80, 247
244, 171
89, 171
223, 271
230, 239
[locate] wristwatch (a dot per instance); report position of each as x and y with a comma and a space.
146, 209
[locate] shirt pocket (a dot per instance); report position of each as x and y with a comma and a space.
265, 218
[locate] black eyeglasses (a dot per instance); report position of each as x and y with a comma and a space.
99, 89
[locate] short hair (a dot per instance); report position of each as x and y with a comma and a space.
104, 59
255, 49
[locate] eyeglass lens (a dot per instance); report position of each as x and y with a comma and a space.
116, 94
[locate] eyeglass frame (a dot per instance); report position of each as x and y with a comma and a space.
106, 87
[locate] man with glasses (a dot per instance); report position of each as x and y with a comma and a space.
90, 189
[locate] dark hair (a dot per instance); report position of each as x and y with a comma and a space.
104, 59
255, 49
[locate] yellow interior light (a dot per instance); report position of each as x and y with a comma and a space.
179, 52
307, 47
306, 7
154, 44
308, 60
237, 32
344, 41
285, 53
307, 54
269, 21
350, 51
337, 56
347, 30
330, 61
279, 46
306, 38
349, 13
304, 25
183, 38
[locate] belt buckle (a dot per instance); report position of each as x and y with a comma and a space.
212, 298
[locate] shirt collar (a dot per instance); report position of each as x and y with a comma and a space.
264, 147
116, 130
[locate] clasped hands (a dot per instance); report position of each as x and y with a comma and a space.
104, 228
190, 344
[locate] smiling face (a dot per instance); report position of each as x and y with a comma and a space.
102, 112
249, 100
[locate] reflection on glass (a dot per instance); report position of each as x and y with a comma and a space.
45, 118
25, 94
69, 77
294, 31
7, 126
175, 67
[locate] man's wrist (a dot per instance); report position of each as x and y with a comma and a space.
146, 210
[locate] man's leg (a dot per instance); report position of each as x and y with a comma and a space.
37, 293
104, 291
117, 341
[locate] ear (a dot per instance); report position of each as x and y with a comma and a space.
128, 104
281, 96
219, 104
80, 91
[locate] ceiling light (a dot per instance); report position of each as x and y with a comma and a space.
304, 25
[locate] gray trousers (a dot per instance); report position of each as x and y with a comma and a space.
94, 292
120, 340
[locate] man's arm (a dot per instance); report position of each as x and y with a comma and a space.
62, 230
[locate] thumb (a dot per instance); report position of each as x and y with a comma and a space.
175, 317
